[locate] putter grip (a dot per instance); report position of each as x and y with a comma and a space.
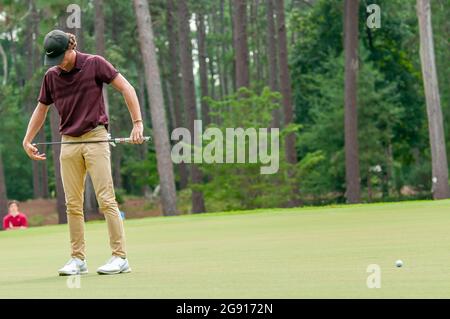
122, 140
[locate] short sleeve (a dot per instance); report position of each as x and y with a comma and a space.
45, 96
24, 221
105, 71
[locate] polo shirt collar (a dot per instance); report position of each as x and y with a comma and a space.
80, 59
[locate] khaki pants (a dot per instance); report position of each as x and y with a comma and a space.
76, 160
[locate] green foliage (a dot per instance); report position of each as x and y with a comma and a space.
392, 117
16, 163
241, 185
36, 220
120, 194
137, 174
393, 131
378, 114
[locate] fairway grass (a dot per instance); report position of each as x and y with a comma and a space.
284, 253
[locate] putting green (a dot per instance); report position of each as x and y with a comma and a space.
285, 253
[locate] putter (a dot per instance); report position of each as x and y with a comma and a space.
112, 141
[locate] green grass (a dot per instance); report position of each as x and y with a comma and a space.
285, 253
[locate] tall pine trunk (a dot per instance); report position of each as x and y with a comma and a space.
272, 59
40, 178
224, 82
60, 195
203, 67
233, 65
352, 174
3, 196
241, 43
435, 123
143, 149
158, 114
99, 29
175, 81
5, 64
198, 204
254, 16
286, 91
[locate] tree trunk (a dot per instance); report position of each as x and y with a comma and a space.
60, 195
352, 174
117, 176
90, 205
286, 91
241, 44
99, 30
141, 95
224, 72
15, 65
5, 65
435, 123
80, 35
37, 58
160, 133
212, 79
44, 168
29, 43
272, 59
32, 63
198, 204
143, 149
175, 84
233, 66
167, 96
3, 196
40, 172
99, 27
388, 172
213, 52
256, 34
203, 67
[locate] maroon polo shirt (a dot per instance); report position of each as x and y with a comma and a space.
78, 94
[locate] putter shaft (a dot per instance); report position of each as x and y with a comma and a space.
117, 140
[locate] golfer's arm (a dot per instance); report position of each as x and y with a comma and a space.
129, 93
36, 122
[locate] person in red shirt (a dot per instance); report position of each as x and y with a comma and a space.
14, 219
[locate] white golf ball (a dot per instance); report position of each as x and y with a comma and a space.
399, 263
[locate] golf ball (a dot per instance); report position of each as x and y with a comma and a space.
399, 263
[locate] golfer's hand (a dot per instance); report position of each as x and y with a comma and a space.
137, 134
33, 152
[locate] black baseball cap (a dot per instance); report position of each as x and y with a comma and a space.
55, 46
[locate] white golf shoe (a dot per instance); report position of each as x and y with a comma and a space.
74, 266
115, 265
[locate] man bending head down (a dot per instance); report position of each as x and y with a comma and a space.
74, 85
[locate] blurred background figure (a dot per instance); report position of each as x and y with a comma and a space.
14, 219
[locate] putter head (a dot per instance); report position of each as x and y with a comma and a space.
111, 141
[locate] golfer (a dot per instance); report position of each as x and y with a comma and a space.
74, 85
